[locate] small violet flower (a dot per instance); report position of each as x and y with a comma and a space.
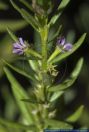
63, 45
19, 47
61, 41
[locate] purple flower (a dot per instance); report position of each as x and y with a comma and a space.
67, 47
19, 47
61, 41
63, 45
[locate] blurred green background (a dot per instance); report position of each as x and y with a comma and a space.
75, 21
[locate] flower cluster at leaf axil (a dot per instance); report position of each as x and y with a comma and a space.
19, 47
61, 43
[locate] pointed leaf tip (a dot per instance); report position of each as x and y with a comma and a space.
70, 80
76, 115
19, 93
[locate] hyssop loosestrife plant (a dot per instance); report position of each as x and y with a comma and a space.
37, 107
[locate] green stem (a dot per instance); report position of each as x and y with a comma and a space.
44, 36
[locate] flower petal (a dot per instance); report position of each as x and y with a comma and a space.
68, 47
17, 51
61, 41
17, 45
22, 42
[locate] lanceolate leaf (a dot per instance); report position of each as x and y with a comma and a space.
59, 11
56, 95
13, 125
27, 58
14, 38
75, 47
19, 71
76, 115
57, 124
27, 4
19, 94
68, 82
12, 24
30, 19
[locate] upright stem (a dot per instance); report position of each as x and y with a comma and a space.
44, 36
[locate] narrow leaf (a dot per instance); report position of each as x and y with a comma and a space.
27, 58
19, 71
75, 47
71, 79
57, 124
12, 24
56, 95
14, 38
61, 6
76, 115
26, 4
19, 93
30, 19
13, 125
34, 65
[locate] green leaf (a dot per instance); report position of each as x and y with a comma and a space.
61, 6
19, 94
3, 6
56, 95
57, 124
27, 58
29, 19
19, 71
75, 47
14, 125
14, 38
12, 24
26, 4
56, 34
71, 79
76, 115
